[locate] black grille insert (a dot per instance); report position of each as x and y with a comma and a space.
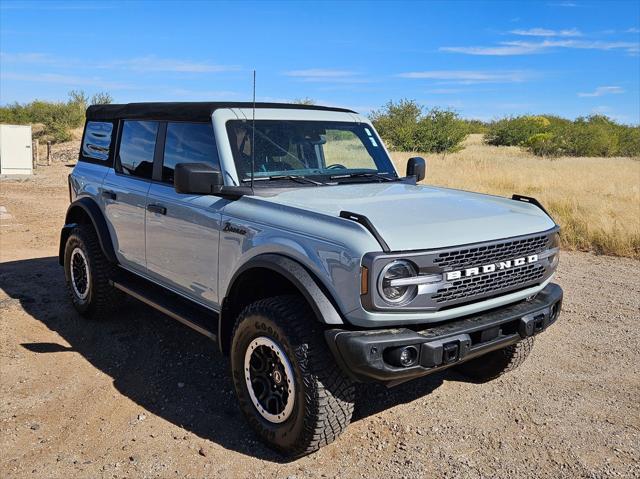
487, 254
498, 281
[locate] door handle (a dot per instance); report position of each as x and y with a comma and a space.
161, 210
108, 194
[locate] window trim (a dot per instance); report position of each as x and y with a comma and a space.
374, 134
112, 145
117, 165
157, 171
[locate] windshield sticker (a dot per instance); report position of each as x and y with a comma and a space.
367, 131
373, 141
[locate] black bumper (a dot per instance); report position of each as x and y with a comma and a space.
374, 355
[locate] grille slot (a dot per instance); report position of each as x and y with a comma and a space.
497, 281
487, 254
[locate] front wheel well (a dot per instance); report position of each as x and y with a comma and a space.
250, 286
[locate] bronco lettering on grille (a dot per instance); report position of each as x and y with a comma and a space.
490, 268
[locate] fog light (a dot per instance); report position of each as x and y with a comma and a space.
404, 356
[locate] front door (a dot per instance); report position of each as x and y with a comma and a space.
182, 230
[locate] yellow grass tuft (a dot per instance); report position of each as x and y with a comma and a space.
596, 201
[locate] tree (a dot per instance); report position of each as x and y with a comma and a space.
406, 126
101, 98
304, 101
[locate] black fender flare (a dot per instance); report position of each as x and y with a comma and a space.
87, 206
310, 288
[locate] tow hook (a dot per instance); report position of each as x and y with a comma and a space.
446, 351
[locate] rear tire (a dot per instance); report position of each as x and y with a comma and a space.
496, 363
276, 338
87, 273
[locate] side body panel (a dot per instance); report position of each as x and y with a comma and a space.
328, 247
125, 215
86, 180
182, 244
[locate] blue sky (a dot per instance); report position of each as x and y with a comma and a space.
482, 59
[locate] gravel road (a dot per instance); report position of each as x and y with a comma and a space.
142, 396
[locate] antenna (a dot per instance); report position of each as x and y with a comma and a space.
253, 131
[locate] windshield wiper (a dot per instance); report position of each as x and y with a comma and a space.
296, 178
364, 175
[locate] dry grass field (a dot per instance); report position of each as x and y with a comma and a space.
596, 201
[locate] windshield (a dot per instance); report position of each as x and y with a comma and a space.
318, 150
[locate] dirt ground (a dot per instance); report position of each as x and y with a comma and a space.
142, 396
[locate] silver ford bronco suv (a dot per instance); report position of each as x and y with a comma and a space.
285, 234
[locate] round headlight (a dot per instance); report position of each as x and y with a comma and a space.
390, 285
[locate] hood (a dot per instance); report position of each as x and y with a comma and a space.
415, 217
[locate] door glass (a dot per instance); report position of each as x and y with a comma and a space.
137, 147
97, 140
188, 143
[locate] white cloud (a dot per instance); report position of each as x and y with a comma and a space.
38, 5
543, 32
563, 4
445, 91
151, 63
498, 51
518, 47
66, 80
469, 76
34, 58
204, 94
327, 75
603, 90
632, 30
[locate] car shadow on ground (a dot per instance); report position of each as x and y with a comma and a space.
166, 368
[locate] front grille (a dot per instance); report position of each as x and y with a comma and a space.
508, 279
487, 254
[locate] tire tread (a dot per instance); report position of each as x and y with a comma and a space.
329, 393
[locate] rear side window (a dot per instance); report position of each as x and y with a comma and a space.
137, 147
188, 143
97, 140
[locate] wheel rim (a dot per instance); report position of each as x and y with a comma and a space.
269, 378
80, 275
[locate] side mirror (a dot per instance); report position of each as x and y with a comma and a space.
197, 179
417, 167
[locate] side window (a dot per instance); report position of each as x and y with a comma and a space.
137, 147
97, 140
188, 143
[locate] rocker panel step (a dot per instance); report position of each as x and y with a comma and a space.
198, 318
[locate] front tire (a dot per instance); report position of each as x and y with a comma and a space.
288, 385
87, 273
496, 363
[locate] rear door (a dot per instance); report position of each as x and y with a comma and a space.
124, 191
182, 230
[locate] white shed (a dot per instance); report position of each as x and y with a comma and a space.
15, 150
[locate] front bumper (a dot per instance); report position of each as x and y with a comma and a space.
373, 355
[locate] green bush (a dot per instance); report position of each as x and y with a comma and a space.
629, 140
476, 126
595, 135
404, 126
544, 144
440, 131
516, 131
58, 118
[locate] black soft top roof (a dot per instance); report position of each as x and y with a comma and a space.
184, 111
